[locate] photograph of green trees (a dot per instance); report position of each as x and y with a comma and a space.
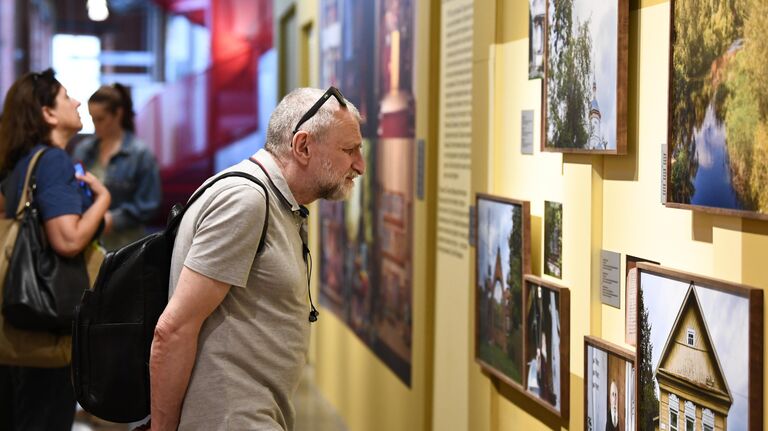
718, 114
586, 70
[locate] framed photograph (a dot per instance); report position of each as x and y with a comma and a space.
718, 128
553, 239
585, 86
547, 344
630, 297
502, 259
609, 386
537, 15
699, 352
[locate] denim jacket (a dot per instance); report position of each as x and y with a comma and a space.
132, 177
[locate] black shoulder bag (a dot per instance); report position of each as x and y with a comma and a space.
41, 288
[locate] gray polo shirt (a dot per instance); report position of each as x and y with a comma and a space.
252, 348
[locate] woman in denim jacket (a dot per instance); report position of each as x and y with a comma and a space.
125, 165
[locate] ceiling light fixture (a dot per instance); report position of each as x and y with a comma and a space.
97, 10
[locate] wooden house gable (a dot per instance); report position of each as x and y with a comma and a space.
689, 353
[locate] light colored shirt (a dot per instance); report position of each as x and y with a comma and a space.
253, 347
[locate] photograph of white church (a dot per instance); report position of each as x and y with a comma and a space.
584, 77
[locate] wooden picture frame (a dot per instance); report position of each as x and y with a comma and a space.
699, 351
711, 167
499, 339
555, 355
587, 133
609, 386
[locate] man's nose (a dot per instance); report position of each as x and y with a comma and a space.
358, 164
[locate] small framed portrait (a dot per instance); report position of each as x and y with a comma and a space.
609, 386
547, 344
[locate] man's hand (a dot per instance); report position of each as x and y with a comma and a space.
144, 427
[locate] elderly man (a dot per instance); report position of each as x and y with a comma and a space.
612, 422
230, 346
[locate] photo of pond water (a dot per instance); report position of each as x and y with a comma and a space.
718, 119
713, 178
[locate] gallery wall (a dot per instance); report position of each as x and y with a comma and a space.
609, 202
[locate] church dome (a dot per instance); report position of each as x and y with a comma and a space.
594, 109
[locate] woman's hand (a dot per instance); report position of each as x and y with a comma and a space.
97, 187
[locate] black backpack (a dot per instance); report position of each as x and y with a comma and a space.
115, 321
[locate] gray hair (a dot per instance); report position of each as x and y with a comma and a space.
290, 110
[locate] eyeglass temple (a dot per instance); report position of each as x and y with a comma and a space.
316, 107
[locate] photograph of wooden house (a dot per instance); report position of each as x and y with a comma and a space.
694, 343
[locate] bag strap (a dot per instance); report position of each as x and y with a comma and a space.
174, 223
25, 199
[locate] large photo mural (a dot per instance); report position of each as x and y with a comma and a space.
366, 50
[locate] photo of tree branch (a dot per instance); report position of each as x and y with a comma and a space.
581, 75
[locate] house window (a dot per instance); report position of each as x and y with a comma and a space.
691, 337
708, 420
673, 412
690, 416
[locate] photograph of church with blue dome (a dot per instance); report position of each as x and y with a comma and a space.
585, 85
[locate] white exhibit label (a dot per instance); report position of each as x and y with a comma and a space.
610, 287
526, 132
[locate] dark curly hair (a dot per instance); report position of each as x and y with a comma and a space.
22, 125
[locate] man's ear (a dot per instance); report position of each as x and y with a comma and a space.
49, 116
300, 147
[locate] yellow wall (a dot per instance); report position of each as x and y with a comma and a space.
609, 202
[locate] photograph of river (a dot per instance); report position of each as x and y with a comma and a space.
718, 137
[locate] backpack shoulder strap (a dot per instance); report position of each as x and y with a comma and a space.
176, 218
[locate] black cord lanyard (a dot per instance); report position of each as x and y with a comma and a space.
304, 213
